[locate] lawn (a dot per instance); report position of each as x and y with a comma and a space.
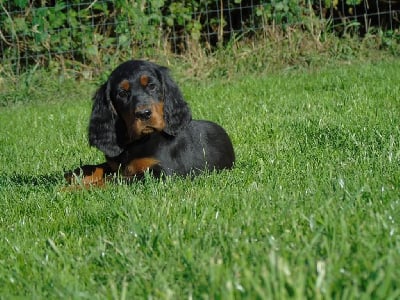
310, 211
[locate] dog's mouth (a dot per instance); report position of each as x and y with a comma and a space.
149, 130
140, 130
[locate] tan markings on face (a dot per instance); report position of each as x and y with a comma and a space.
157, 116
144, 80
139, 165
124, 85
156, 121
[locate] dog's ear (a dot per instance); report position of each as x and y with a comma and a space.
103, 125
176, 111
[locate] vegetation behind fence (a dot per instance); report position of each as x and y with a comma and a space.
69, 34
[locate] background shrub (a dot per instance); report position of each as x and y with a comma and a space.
71, 33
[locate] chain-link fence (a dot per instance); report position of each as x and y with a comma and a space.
92, 32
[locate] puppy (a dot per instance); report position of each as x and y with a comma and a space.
141, 123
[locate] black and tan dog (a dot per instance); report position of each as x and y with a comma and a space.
141, 123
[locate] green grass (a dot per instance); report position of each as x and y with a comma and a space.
311, 210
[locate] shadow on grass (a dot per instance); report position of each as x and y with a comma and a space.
30, 180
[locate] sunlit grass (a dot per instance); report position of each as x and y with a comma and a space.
310, 210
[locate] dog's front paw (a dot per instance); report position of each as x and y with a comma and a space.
86, 176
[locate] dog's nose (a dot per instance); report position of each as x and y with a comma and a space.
143, 114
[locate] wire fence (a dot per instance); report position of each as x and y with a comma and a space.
94, 32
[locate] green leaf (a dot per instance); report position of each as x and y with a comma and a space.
20, 25
21, 3
92, 51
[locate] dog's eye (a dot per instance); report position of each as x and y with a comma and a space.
152, 87
122, 93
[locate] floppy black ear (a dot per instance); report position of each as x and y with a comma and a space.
176, 111
103, 125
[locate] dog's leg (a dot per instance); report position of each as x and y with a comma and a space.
88, 175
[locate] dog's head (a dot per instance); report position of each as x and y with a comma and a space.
138, 99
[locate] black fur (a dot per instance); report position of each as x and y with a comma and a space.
103, 126
176, 110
